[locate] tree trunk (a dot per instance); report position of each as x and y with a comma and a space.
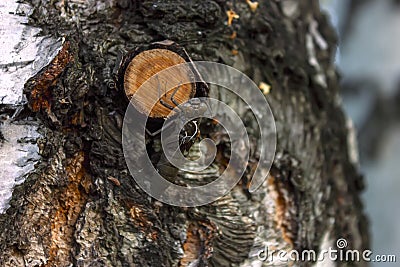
80, 206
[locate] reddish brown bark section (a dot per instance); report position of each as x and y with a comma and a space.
40, 92
70, 204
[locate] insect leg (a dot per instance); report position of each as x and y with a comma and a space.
152, 134
208, 108
173, 94
162, 102
187, 138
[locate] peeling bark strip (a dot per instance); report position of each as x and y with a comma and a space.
80, 206
38, 88
72, 200
285, 210
198, 247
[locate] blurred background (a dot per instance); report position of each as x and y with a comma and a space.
368, 59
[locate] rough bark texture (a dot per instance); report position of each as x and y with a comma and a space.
81, 207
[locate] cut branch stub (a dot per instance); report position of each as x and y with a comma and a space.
148, 63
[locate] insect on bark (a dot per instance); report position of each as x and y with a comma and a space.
175, 104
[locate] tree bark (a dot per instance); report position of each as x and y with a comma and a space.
80, 206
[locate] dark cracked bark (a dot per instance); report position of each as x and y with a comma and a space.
80, 205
